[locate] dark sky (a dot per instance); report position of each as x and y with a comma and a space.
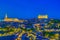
29, 8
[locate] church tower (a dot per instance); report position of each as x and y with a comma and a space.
6, 16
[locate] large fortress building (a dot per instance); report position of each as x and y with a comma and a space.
42, 16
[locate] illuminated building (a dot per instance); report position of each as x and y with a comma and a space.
42, 16
12, 19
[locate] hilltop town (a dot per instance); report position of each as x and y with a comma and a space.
33, 29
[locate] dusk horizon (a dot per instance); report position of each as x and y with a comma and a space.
29, 9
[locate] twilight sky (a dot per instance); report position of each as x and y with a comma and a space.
29, 8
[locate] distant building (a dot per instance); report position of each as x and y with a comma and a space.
12, 19
42, 16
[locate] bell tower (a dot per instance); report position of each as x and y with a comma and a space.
6, 16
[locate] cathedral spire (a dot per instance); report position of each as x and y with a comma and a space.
6, 15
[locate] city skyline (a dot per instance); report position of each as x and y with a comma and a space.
38, 16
